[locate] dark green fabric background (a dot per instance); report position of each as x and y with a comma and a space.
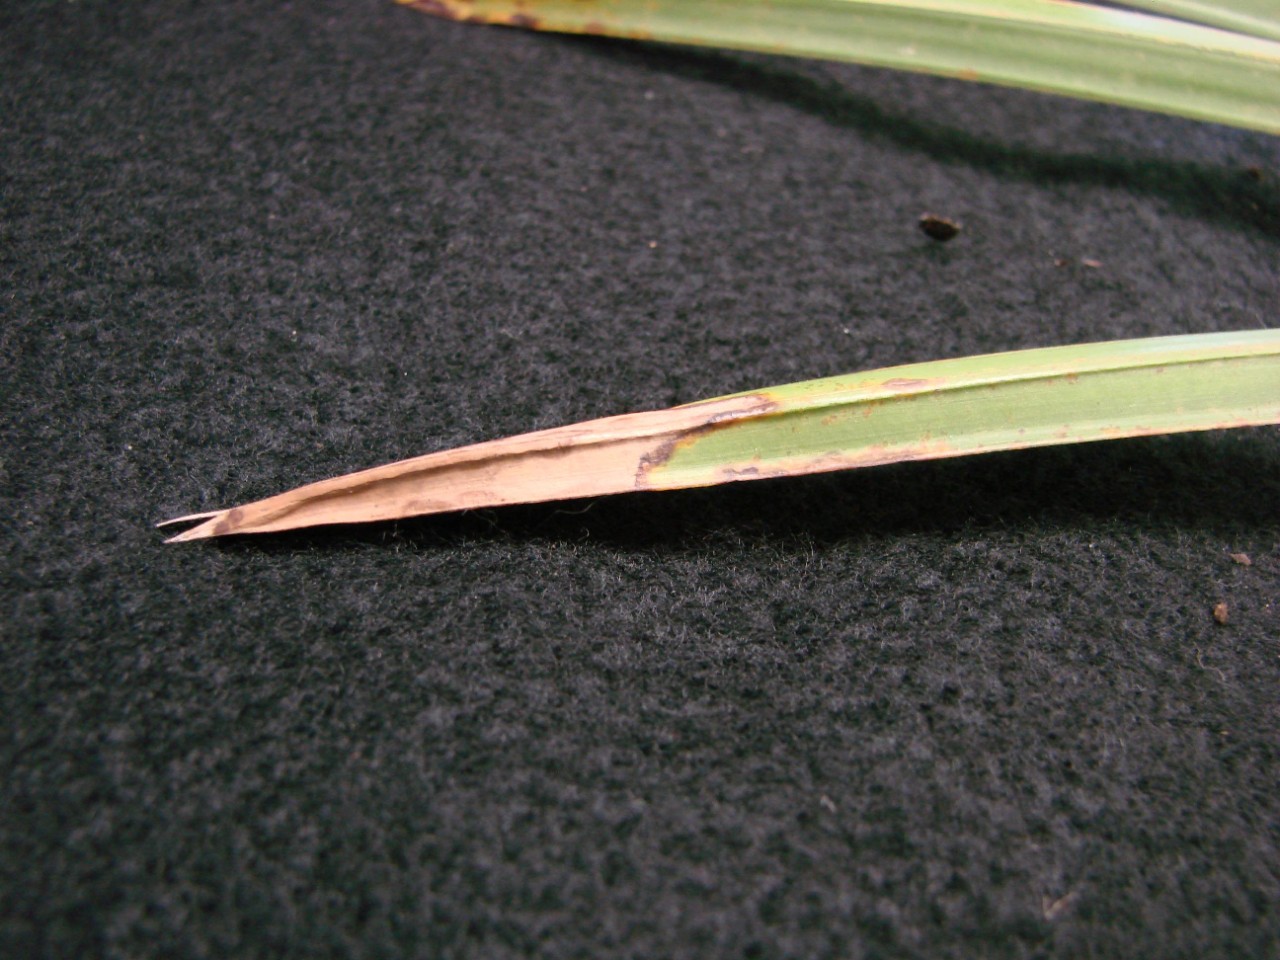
967, 708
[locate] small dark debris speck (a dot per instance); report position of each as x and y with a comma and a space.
938, 228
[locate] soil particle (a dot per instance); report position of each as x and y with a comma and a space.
938, 228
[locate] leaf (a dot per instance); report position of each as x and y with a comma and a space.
947, 408
1257, 18
1056, 46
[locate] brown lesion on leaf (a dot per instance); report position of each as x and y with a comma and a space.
463, 11
872, 456
907, 384
830, 461
594, 458
719, 414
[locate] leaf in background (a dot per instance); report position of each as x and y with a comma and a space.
1257, 18
947, 408
1055, 46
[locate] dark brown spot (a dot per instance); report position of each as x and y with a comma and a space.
655, 458
523, 20
938, 228
1253, 172
659, 455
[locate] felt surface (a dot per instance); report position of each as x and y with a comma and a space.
973, 707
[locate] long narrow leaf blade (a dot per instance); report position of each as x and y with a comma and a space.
1056, 46
946, 408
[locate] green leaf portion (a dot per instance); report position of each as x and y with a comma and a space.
1055, 46
1003, 401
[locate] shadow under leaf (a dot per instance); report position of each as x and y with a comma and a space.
1244, 199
